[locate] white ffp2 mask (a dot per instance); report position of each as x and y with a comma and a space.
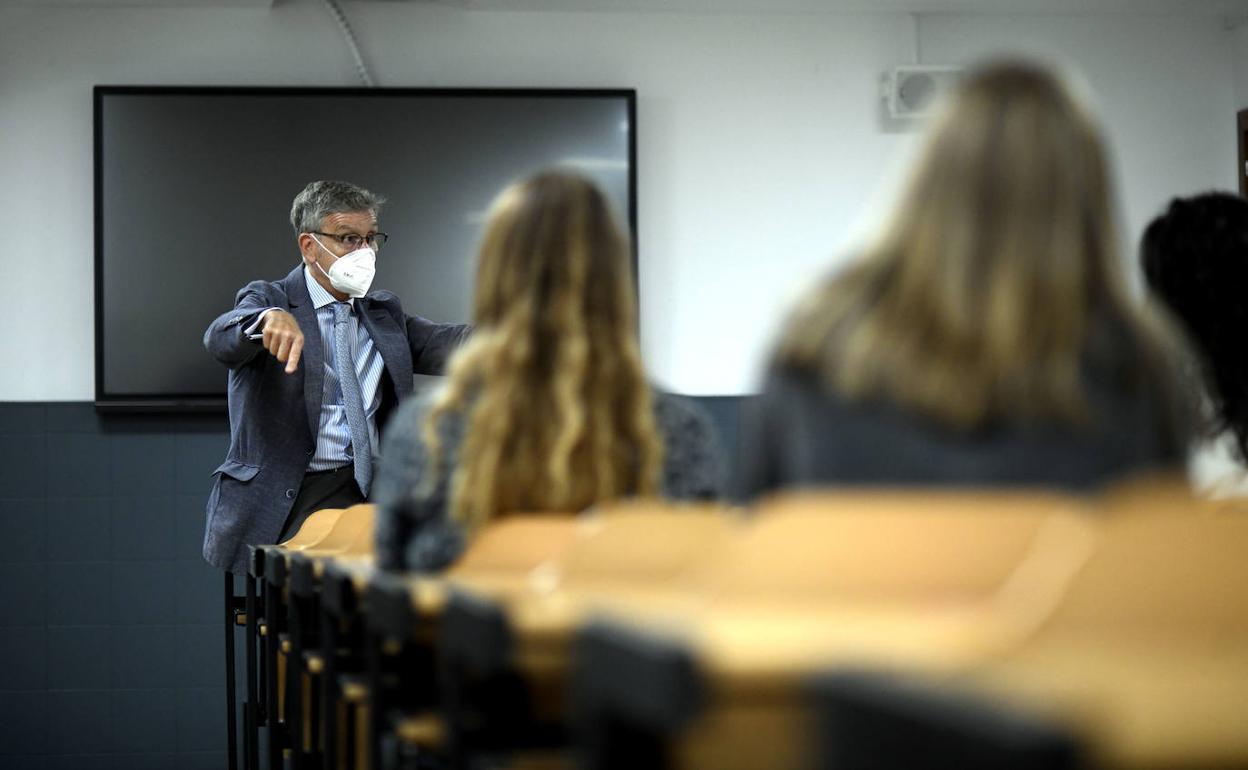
352, 273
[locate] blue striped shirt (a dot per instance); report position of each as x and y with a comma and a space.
333, 439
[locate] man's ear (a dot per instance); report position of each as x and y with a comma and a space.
307, 247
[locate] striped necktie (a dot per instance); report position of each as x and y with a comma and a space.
349, 382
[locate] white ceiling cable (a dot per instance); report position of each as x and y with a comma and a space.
916, 41
360, 67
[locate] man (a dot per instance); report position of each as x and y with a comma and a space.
316, 364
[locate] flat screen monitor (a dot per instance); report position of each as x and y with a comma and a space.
193, 189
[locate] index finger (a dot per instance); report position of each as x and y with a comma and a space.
296, 348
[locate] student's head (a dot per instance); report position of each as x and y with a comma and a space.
553, 254
981, 295
1010, 210
558, 412
1195, 258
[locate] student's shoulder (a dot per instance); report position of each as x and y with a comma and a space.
677, 414
417, 407
787, 387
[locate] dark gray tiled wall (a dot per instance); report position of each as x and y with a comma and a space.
111, 653
110, 646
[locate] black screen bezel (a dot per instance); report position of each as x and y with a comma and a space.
215, 402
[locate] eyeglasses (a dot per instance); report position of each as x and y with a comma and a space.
353, 241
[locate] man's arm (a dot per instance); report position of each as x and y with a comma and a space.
235, 337
433, 343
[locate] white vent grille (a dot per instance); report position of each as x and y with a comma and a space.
913, 90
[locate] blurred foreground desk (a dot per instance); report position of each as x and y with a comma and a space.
1124, 632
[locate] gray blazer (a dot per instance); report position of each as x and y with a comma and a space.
413, 530
800, 434
274, 417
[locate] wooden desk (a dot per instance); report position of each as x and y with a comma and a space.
1135, 639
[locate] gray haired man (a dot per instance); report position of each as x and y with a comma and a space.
316, 362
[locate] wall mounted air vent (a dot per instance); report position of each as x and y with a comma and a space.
912, 90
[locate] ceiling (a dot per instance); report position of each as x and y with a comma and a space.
1231, 9
141, 3
1135, 7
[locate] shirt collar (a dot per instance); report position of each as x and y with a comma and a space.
320, 297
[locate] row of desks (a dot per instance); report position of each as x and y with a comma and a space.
888, 629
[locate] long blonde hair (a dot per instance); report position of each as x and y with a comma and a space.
557, 412
998, 273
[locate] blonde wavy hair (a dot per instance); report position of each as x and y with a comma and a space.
999, 271
557, 412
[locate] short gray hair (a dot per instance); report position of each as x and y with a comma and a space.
320, 199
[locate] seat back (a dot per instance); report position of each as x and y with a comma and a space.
359, 541
649, 542
314, 529
882, 721
1153, 492
887, 545
1161, 572
350, 533
515, 544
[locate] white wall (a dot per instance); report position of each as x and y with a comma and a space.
1239, 54
759, 138
1165, 90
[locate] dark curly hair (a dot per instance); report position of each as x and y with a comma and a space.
1195, 258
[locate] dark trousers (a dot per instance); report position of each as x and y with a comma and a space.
321, 489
